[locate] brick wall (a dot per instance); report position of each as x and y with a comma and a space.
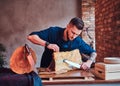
107, 27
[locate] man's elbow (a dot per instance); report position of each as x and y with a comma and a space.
95, 53
29, 37
32, 38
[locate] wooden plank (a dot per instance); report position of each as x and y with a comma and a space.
67, 79
74, 75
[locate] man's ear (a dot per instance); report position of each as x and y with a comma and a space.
69, 25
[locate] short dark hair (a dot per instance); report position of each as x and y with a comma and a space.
78, 22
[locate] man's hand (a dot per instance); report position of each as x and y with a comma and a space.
53, 47
86, 65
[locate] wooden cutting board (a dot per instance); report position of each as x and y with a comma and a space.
75, 75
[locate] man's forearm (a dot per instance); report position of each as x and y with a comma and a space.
93, 56
36, 40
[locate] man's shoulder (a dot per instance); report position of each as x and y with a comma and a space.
78, 38
56, 29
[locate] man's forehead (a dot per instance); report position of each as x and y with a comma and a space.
76, 31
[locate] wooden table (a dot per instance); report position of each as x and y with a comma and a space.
76, 77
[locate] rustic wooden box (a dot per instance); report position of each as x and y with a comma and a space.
107, 71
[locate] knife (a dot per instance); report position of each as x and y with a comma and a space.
72, 63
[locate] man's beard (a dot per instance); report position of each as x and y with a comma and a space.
67, 37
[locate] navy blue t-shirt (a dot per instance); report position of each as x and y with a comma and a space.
54, 35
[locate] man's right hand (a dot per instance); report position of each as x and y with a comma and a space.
53, 47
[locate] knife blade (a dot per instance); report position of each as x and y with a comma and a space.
72, 63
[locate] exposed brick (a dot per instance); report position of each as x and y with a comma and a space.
107, 22
88, 16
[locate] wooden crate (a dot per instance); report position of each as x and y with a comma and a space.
107, 71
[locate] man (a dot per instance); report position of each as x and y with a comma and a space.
56, 39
